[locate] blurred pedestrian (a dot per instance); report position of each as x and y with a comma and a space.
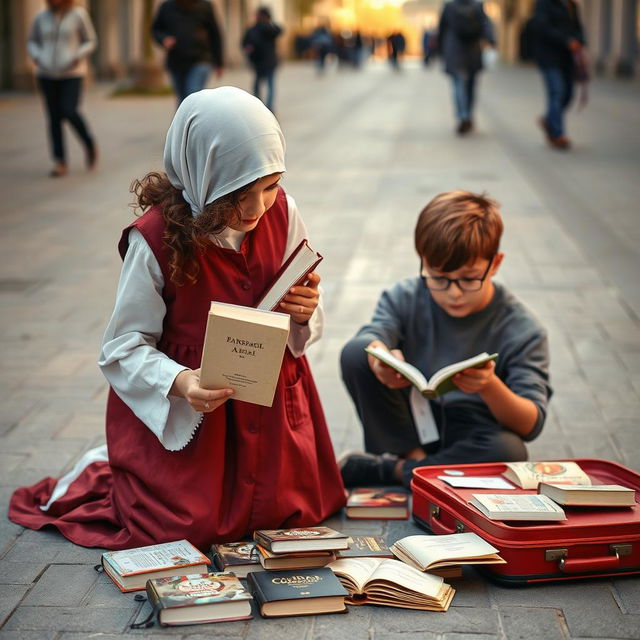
396, 44
60, 40
558, 42
429, 44
259, 45
322, 43
189, 33
464, 28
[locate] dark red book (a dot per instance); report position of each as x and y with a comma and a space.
302, 261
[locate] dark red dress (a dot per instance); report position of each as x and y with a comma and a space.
246, 467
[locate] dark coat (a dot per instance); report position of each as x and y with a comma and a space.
555, 24
196, 31
259, 42
461, 55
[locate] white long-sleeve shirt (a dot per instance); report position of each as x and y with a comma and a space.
142, 375
59, 43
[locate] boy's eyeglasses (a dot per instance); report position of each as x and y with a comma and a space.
442, 283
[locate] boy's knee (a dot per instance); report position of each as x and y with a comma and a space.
509, 447
353, 357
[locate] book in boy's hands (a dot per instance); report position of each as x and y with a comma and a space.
302, 539
236, 557
243, 351
377, 503
582, 495
297, 592
303, 560
517, 507
294, 271
197, 599
440, 382
527, 475
391, 583
366, 547
130, 569
430, 553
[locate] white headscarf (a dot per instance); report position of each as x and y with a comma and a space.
220, 140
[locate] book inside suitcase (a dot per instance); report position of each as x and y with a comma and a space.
592, 542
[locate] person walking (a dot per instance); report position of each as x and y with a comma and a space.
463, 29
189, 33
60, 40
259, 45
558, 39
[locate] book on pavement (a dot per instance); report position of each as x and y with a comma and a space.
391, 583
243, 351
131, 568
302, 539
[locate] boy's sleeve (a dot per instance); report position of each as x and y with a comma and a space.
387, 322
527, 375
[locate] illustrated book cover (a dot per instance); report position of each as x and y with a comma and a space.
294, 271
582, 495
243, 351
440, 382
527, 475
430, 553
498, 506
391, 583
131, 568
302, 539
236, 557
377, 503
297, 592
197, 599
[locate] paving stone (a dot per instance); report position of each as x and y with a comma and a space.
19, 572
628, 592
355, 625
62, 585
10, 597
84, 619
30, 635
522, 623
295, 627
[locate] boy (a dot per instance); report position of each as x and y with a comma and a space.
451, 312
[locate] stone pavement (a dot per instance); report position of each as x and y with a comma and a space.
365, 152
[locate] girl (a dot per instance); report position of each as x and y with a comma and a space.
60, 40
182, 461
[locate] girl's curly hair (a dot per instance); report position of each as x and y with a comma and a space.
185, 235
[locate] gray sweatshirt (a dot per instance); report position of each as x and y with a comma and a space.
407, 318
59, 43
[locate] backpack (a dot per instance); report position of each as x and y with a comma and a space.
467, 21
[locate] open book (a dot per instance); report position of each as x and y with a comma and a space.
300, 263
426, 552
391, 583
440, 382
527, 475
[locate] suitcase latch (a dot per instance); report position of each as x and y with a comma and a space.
434, 511
552, 555
620, 549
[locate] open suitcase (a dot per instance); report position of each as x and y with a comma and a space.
592, 542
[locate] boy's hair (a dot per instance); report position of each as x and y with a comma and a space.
456, 228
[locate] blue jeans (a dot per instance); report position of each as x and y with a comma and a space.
265, 76
463, 94
558, 84
193, 79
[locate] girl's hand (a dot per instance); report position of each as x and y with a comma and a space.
187, 386
301, 301
476, 379
385, 374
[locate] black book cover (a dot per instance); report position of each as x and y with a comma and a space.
294, 584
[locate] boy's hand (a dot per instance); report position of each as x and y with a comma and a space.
476, 379
187, 386
302, 300
385, 374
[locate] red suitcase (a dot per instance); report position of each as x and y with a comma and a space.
592, 542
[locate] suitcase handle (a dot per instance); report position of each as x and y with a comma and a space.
579, 565
435, 524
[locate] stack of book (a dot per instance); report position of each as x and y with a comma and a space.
306, 548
